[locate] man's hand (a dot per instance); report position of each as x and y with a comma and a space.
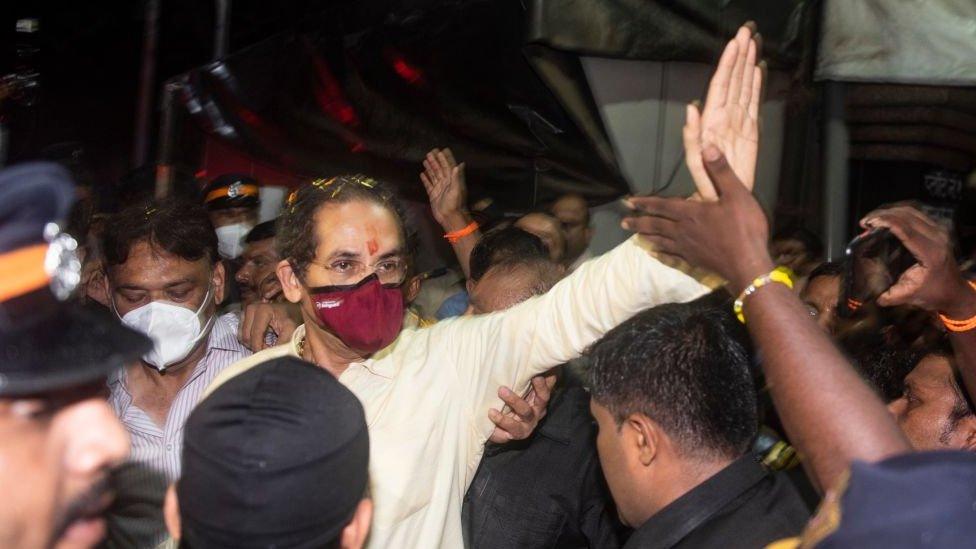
728, 236
444, 180
269, 289
525, 414
258, 318
730, 119
935, 282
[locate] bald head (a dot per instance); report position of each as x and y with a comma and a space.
573, 213
549, 230
512, 282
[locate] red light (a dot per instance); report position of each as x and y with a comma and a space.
328, 94
346, 115
249, 117
408, 72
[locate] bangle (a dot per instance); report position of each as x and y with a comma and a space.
782, 275
454, 236
960, 325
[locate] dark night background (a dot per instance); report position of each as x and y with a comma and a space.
90, 55
89, 63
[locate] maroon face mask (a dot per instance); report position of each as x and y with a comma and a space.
366, 316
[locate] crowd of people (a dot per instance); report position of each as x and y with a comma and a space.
176, 374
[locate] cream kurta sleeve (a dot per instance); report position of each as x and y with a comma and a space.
509, 347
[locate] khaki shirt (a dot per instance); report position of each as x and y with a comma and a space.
427, 395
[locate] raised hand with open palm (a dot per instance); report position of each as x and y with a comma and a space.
730, 118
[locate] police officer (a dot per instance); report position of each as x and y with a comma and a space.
232, 201
59, 439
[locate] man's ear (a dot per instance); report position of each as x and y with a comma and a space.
967, 427
291, 288
97, 288
354, 534
219, 282
412, 289
644, 436
171, 512
107, 285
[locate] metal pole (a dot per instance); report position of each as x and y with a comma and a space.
147, 75
221, 28
836, 152
164, 162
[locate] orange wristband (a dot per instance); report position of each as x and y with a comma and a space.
960, 325
454, 236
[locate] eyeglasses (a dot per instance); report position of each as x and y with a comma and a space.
391, 270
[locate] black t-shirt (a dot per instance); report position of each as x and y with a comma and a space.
743, 505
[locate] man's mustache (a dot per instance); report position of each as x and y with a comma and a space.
90, 504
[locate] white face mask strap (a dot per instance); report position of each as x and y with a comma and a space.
206, 297
205, 329
111, 301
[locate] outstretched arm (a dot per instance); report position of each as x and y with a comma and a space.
510, 347
934, 283
829, 412
443, 178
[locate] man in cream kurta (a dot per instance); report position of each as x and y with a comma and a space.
427, 395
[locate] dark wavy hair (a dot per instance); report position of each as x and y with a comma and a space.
175, 225
295, 237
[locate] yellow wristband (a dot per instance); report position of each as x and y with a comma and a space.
782, 275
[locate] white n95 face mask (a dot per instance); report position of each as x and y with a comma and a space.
174, 330
230, 239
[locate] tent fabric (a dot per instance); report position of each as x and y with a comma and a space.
377, 99
895, 41
675, 30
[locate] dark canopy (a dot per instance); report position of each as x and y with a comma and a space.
368, 90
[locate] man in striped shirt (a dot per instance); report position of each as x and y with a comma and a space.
165, 279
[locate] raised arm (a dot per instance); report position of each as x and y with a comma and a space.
828, 411
934, 283
443, 178
508, 348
